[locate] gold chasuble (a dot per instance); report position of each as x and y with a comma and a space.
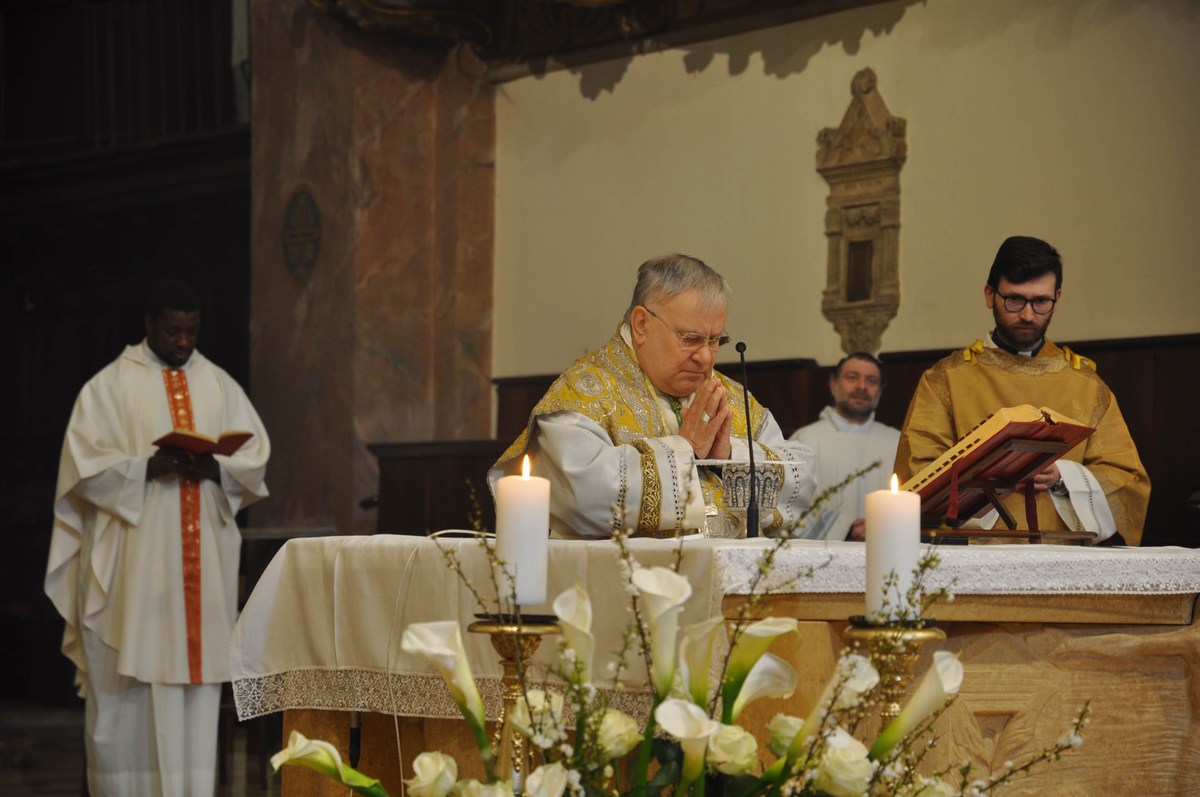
611, 391
961, 390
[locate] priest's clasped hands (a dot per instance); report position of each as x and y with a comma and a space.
708, 421
169, 461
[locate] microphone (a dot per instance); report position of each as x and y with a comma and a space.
752, 509
355, 737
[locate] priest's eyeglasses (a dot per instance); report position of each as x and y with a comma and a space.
1015, 304
692, 341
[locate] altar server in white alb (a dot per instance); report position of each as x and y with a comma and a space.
633, 436
144, 554
846, 439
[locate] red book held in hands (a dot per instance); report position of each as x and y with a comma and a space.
197, 443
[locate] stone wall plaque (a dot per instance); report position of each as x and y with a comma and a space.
861, 161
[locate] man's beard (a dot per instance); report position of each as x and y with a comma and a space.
858, 412
1020, 335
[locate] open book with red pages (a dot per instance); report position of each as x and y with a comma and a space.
989, 462
226, 444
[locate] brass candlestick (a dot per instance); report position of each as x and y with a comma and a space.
515, 642
893, 650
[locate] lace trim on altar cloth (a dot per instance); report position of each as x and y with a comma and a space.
979, 570
403, 695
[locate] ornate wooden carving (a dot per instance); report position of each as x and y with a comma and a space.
861, 161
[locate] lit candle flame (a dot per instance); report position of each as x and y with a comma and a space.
525, 472
895, 481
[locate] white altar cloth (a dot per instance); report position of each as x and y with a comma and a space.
322, 627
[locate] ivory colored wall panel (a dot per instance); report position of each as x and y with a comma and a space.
1073, 121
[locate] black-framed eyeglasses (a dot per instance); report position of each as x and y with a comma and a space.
692, 341
1015, 304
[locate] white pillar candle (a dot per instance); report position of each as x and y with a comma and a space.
523, 535
893, 531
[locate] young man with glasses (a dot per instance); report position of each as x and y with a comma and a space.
1100, 485
625, 433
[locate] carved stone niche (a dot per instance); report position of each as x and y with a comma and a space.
861, 161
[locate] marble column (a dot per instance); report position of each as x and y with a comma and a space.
388, 337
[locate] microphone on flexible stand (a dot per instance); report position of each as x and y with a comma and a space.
752, 509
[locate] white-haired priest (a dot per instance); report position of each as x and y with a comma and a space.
639, 434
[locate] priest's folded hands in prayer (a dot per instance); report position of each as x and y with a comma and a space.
707, 421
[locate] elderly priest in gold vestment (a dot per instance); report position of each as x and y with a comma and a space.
634, 435
1100, 485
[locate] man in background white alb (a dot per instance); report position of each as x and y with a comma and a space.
847, 438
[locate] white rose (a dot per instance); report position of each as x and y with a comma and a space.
845, 770
618, 733
542, 709
434, 775
473, 788
548, 780
783, 728
732, 750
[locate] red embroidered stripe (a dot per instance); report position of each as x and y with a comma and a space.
180, 401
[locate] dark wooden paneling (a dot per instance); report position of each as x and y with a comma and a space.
426, 487
515, 399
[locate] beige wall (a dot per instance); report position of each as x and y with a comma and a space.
1075, 121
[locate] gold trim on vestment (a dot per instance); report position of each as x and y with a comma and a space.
609, 387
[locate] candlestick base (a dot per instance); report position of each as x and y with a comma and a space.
515, 642
893, 650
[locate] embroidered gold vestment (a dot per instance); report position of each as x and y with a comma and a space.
961, 390
609, 389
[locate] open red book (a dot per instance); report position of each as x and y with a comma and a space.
197, 443
1006, 448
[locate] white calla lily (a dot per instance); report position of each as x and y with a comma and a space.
688, 723
941, 681
663, 592
440, 643
697, 644
771, 676
574, 610
324, 758
749, 646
